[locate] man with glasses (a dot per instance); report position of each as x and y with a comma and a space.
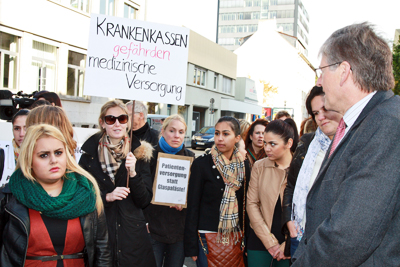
352, 209
141, 129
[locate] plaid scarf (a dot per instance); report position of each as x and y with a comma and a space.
16, 150
233, 173
111, 156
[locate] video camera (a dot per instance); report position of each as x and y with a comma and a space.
10, 103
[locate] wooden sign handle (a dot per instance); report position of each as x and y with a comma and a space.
130, 138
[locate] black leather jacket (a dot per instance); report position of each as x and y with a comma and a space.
14, 230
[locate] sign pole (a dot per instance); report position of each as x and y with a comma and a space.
130, 138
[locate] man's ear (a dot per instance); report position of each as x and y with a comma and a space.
345, 72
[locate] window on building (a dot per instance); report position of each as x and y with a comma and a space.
76, 72
244, 15
44, 62
255, 15
199, 77
129, 12
226, 85
107, 7
82, 5
253, 28
257, 3
215, 81
286, 27
249, 3
8, 60
272, 14
237, 41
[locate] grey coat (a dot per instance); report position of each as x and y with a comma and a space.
353, 216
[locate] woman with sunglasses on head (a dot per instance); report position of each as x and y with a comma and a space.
216, 199
166, 224
51, 212
108, 158
266, 243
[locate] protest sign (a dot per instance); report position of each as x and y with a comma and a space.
171, 180
133, 59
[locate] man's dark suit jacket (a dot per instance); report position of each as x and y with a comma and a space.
352, 210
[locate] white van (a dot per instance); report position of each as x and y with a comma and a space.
155, 121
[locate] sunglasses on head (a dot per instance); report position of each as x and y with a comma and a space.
110, 119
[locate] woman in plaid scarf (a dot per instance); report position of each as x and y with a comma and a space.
266, 243
216, 195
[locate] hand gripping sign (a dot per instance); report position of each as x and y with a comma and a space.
171, 180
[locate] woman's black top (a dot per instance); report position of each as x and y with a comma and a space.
254, 243
57, 229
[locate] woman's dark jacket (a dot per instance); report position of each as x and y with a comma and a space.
206, 187
166, 224
129, 240
15, 227
294, 170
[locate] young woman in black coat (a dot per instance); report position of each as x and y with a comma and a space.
166, 224
215, 178
108, 158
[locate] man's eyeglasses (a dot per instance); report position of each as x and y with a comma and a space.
110, 119
319, 70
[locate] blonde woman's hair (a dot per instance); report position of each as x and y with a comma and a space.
57, 117
112, 104
24, 162
169, 119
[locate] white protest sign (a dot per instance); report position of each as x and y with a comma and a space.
171, 180
138, 60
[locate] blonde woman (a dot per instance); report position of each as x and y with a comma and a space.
108, 158
166, 224
51, 210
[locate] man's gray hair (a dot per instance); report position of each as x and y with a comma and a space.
367, 53
140, 107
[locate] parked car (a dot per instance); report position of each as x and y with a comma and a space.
203, 138
155, 121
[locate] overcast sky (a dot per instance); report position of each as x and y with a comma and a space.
326, 16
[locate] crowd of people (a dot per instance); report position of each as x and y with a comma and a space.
261, 196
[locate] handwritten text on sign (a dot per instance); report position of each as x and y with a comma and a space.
171, 181
138, 60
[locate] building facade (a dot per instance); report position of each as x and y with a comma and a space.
46, 50
239, 18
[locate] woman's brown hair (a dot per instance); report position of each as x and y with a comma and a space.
57, 117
